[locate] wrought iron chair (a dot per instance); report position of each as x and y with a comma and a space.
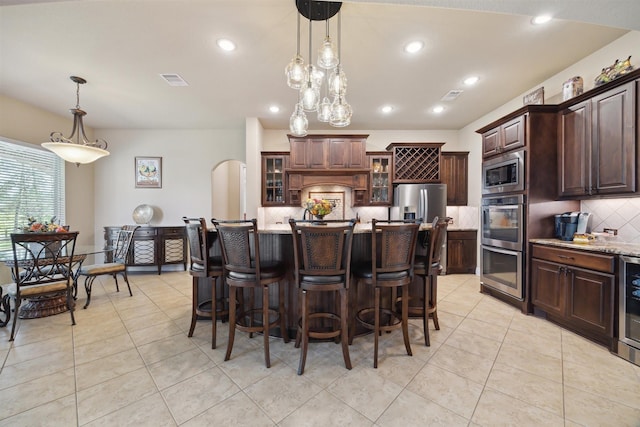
393, 245
322, 259
117, 266
41, 268
243, 269
203, 265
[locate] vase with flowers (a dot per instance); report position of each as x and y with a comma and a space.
35, 226
319, 207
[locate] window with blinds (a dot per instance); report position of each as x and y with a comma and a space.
31, 185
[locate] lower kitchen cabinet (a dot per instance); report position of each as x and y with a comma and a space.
575, 289
461, 251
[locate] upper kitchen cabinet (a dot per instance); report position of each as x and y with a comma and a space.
454, 172
273, 178
328, 152
416, 163
505, 137
597, 144
380, 187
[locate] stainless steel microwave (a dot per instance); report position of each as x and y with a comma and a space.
503, 174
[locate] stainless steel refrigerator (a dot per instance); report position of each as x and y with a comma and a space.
424, 201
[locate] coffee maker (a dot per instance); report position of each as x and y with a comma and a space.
569, 223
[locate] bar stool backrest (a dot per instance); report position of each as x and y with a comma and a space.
393, 246
197, 238
239, 240
322, 250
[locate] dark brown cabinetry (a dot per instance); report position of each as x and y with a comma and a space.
461, 251
453, 172
380, 186
597, 144
153, 246
416, 163
274, 188
328, 152
508, 136
575, 289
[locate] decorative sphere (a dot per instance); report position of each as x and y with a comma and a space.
142, 214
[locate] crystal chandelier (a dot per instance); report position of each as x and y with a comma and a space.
308, 79
81, 150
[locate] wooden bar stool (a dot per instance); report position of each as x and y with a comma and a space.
322, 258
243, 269
393, 245
428, 267
205, 266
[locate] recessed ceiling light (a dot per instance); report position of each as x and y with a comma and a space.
438, 109
226, 44
387, 109
541, 19
471, 80
274, 109
414, 46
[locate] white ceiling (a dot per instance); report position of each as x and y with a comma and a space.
121, 47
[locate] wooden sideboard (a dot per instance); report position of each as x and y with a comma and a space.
153, 246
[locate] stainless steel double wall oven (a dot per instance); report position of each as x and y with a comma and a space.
502, 224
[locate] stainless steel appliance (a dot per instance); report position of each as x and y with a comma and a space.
502, 221
503, 174
502, 251
412, 201
629, 309
426, 201
502, 270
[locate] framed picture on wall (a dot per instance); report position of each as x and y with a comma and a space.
148, 172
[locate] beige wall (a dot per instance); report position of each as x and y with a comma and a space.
188, 159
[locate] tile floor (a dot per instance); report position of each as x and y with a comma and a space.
128, 361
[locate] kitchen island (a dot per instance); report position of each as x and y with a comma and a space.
276, 244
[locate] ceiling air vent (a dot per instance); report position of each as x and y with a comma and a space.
174, 80
451, 95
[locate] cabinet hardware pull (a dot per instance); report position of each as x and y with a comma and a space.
565, 257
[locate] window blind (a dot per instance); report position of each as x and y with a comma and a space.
31, 185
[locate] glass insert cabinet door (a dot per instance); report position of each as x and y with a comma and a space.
273, 180
380, 185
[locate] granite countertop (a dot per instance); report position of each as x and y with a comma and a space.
360, 228
610, 247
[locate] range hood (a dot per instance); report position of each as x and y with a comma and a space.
353, 178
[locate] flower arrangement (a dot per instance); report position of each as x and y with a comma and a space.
35, 226
319, 207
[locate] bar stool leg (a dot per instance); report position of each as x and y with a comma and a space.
433, 296
376, 326
425, 317
194, 306
304, 331
344, 329
405, 319
232, 321
213, 313
265, 324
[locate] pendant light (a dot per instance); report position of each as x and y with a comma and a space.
337, 112
80, 150
295, 70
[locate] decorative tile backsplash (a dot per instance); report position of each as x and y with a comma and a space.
621, 214
464, 216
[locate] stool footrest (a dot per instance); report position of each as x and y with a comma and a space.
389, 319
